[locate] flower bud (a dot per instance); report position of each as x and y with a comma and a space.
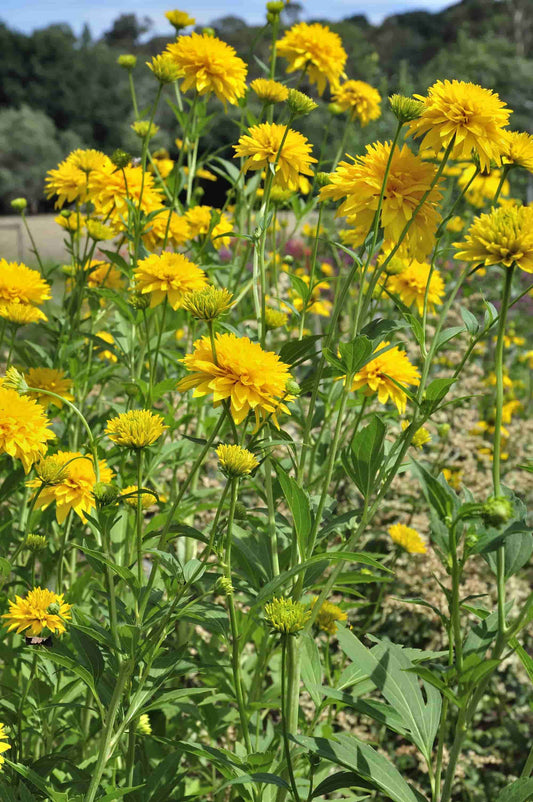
299, 103
139, 300
286, 616
53, 608
208, 303
120, 158
127, 61
51, 471
14, 380
275, 7
36, 542
443, 430
335, 109
292, 388
241, 513
274, 319
223, 586
105, 493
323, 179
164, 68
405, 108
144, 128
497, 510
209, 31
19, 204
143, 724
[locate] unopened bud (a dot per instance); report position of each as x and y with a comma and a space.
138, 300
127, 60
323, 179
36, 542
120, 158
19, 204
223, 586
292, 388
105, 493
405, 108
53, 608
299, 103
497, 510
14, 380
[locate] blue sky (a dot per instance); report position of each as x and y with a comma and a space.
26, 15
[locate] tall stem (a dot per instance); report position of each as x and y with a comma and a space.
286, 746
139, 516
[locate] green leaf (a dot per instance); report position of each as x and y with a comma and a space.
296, 350
35, 780
525, 659
278, 582
355, 353
446, 335
518, 548
438, 389
258, 777
343, 779
299, 505
366, 455
120, 570
118, 793
439, 497
65, 661
388, 668
519, 791
372, 766
89, 652
311, 668
469, 320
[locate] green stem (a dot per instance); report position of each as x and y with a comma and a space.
34, 246
153, 367
235, 652
107, 732
139, 516
308, 300
20, 712
286, 745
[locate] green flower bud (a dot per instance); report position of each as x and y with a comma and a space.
292, 388
120, 158
127, 61
36, 542
19, 204
299, 103
323, 179
241, 513
223, 586
286, 616
105, 493
53, 608
497, 510
405, 108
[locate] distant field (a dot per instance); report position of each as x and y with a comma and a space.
15, 244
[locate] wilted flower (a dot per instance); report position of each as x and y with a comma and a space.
328, 615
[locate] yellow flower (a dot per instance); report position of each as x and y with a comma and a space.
252, 379
179, 19
49, 379
162, 163
315, 305
473, 115
3, 746
21, 314
408, 180
262, 146
177, 231
208, 303
420, 437
504, 236
106, 354
407, 538
103, 274
71, 221
98, 231
528, 357
23, 428
164, 68
274, 319
147, 499
145, 128
518, 149
377, 376
70, 181
269, 91
111, 188
454, 477
209, 65
143, 724
199, 220
236, 461
455, 224
509, 409
135, 429
360, 99
74, 491
170, 276
315, 49
51, 470
40, 609
410, 285
286, 616
328, 616
484, 186
22, 285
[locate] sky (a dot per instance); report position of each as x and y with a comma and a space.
27, 15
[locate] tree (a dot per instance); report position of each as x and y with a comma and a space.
24, 159
127, 30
